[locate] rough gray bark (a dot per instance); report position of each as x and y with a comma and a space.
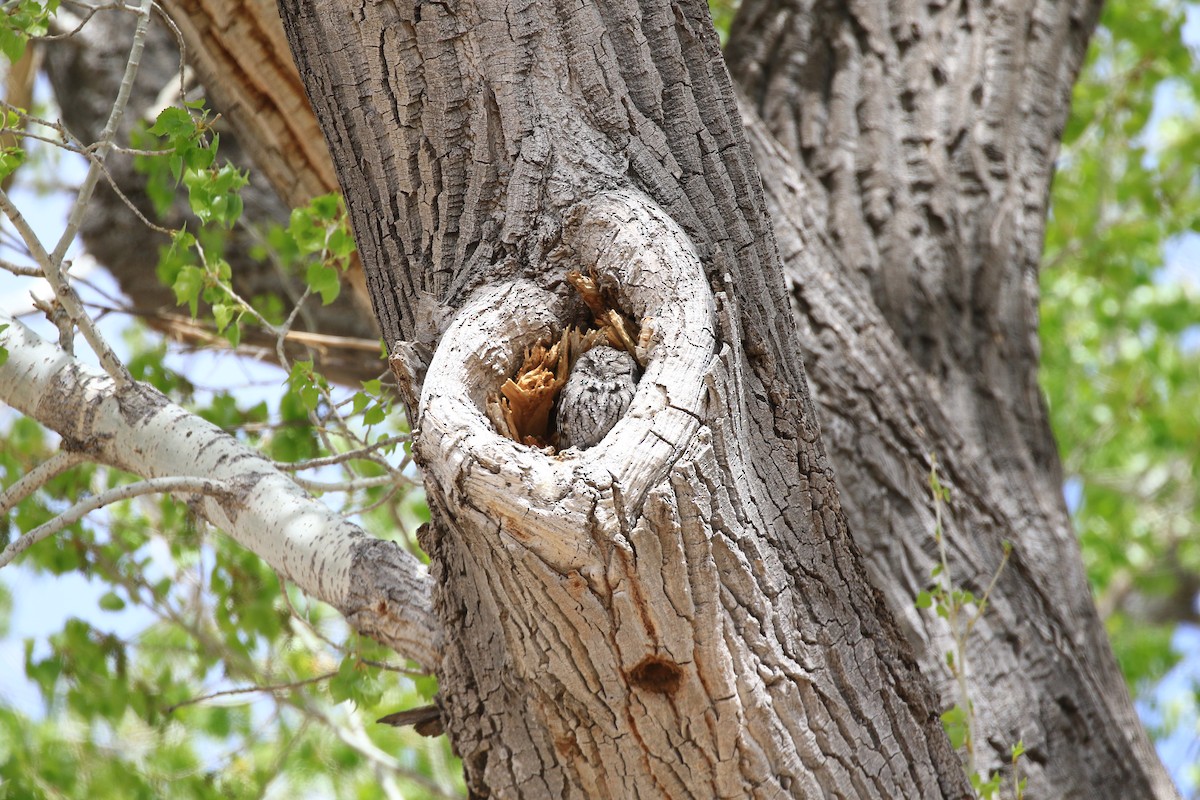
677, 611
926, 137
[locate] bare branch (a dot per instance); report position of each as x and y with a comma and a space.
36, 478
85, 507
75, 218
20, 270
352, 485
272, 689
362, 452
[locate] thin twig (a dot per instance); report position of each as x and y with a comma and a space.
82, 508
51, 263
199, 329
351, 733
75, 218
112, 183
22, 271
387, 496
303, 620
91, 12
411, 673
181, 45
37, 477
45, 123
361, 452
347, 486
272, 689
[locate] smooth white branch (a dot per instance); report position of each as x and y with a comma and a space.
383, 591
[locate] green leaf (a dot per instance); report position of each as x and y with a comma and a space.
11, 158
214, 193
22, 21
12, 43
174, 123
304, 384
324, 281
375, 414
111, 601
356, 682
427, 686
986, 787
954, 722
188, 284
224, 314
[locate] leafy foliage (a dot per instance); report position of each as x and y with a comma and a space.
198, 673
1123, 384
22, 21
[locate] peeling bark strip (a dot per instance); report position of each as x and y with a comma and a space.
381, 589
240, 54
84, 70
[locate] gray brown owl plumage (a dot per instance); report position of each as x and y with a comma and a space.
597, 393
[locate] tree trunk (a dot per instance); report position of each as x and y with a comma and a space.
677, 611
927, 139
908, 199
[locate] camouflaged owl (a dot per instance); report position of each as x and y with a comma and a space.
597, 392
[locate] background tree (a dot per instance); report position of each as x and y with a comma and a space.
882, 452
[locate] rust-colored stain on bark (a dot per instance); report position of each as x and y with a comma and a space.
567, 747
656, 674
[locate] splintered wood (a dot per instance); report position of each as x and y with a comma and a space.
522, 410
621, 331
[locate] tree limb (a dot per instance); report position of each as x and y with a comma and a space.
382, 590
114, 495
36, 478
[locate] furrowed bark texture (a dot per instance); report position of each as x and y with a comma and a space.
677, 611
925, 138
381, 589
